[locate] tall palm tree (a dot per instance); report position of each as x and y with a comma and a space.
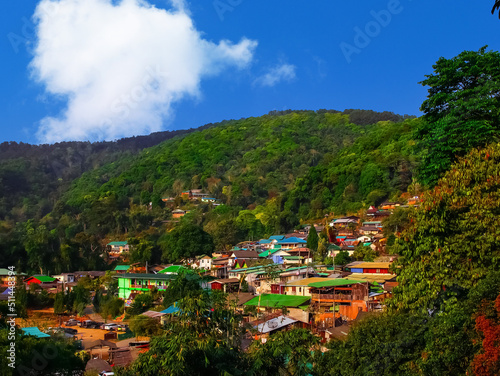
496, 7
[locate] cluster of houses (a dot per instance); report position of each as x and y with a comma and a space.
277, 275
273, 281
194, 196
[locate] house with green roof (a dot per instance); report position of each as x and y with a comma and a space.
292, 242
121, 268
350, 295
6, 274
276, 301
116, 248
173, 269
129, 283
40, 280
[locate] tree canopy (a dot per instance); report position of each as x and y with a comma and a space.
452, 240
462, 110
187, 240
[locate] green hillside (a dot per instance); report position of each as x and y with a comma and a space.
246, 162
33, 177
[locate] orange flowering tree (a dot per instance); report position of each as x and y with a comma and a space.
487, 362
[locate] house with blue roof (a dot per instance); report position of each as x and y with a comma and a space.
277, 237
292, 242
35, 332
289, 243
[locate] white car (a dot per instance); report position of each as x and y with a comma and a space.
110, 326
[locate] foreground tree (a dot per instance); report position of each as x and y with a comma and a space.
203, 340
496, 7
487, 363
39, 357
284, 353
380, 345
186, 284
452, 240
462, 110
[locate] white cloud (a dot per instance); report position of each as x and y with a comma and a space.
281, 72
121, 65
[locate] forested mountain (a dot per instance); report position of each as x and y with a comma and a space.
33, 177
246, 162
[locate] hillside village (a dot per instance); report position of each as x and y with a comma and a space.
276, 283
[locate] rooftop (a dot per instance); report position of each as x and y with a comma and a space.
276, 300
305, 281
274, 324
145, 276
43, 278
372, 265
122, 267
34, 331
292, 240
171, 310
277, 237
332, 282
172, 269
4, 271
118, 244
373, 277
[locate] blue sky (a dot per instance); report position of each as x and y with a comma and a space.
277, 55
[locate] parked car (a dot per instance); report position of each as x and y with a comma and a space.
71, 322
90, 324
122, 328
109, 326
70, 331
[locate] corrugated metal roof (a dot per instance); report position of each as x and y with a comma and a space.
305, 281
292, 240
118, 243
43, 278
122, 267
153, 314
373, 265
274, 324
373, 277
171, 310
4, 271
145, 276
277, 237
172, 269
332, 282
34, 331
276, 300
